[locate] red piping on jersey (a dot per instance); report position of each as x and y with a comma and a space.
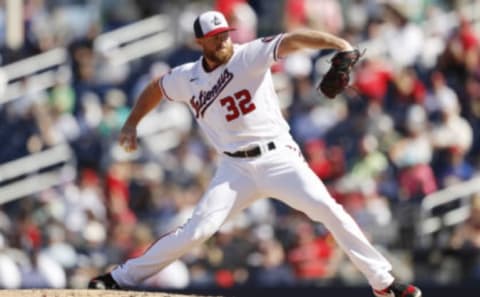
163, 89
275, 50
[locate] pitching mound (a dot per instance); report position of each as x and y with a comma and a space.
83, 293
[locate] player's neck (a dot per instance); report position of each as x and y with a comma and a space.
209, 65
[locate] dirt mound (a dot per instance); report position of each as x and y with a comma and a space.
83, 293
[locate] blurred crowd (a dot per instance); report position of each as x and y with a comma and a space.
407, 127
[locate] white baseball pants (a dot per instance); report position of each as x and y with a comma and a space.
281, 173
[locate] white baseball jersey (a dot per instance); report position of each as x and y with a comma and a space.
235, 104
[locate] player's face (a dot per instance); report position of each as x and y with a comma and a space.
217, 48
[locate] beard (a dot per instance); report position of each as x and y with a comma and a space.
220, 56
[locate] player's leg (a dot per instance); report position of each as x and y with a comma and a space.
229, 191
288, 178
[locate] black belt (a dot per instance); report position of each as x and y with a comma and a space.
253, 152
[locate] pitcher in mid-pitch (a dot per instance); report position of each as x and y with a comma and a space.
231, 93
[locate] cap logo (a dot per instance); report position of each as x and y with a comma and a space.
209, 23
216, 21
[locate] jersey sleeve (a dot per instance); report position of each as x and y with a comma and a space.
263, 52
173, 85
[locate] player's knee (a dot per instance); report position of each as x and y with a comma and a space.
325, 210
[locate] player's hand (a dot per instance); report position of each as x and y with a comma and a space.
128, 138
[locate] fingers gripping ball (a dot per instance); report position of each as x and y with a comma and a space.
337, 77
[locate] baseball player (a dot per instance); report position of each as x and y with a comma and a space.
231, 94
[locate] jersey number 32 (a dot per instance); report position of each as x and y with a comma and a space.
238, 104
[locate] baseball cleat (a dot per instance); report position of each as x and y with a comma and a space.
399, 290
103, 282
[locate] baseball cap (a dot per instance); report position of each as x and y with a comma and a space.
210, 23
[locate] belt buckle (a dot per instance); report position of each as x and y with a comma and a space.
263, 148
267, 146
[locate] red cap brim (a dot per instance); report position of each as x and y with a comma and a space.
218, 31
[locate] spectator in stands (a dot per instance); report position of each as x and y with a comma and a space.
372, 79
159, 68
403, 38
91, 194
452, 133
472, 87
313, 257
327, 163
467, 234
412, 155
456, 168
273, 270
88, 146
115, 112
232, 244
117, 186
357, 15
370, 163
463, 42
409, 89
142, 239
440, 93
57, 248
241, 16
294, 15
10, 277
323, 15
31, 275
459, 55
466, 241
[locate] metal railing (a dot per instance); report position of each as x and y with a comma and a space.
137, 40
431, 222
36, 172
32, 74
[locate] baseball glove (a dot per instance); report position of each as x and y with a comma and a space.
338, 76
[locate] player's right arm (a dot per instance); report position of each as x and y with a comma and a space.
148, 99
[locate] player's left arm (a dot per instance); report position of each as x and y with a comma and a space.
311, 39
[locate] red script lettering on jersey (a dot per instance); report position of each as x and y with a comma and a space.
206, 98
